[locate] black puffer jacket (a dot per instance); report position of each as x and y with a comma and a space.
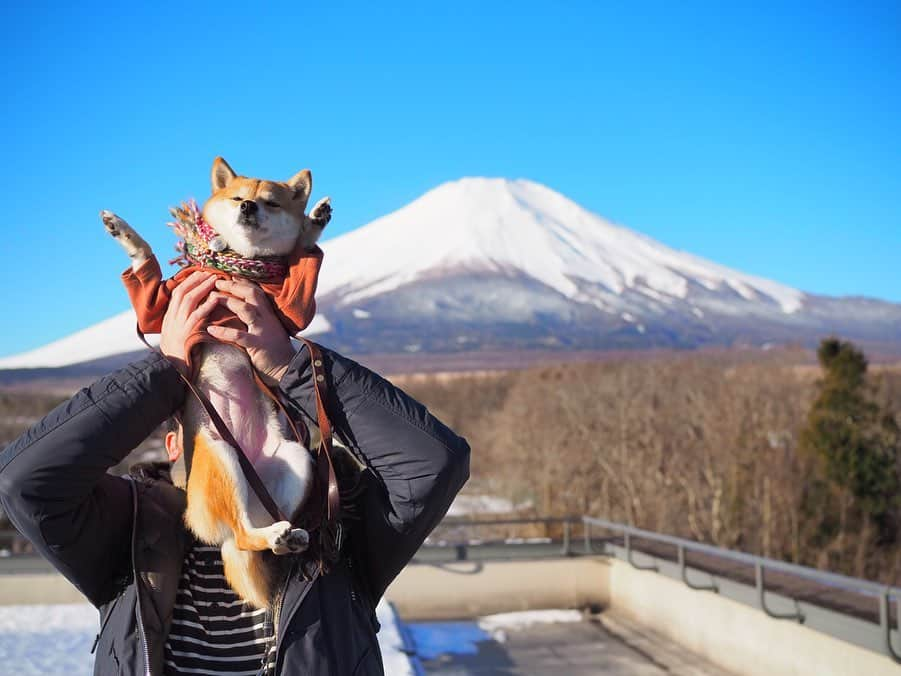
121, 541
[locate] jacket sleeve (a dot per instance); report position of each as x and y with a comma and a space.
419, 464
148, 293
295, 302
53, 480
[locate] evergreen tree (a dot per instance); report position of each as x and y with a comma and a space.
855, 444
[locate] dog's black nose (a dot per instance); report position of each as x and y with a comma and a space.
248, 207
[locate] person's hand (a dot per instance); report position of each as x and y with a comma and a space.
191, 302
265, 339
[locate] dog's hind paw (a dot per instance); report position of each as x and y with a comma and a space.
291, 541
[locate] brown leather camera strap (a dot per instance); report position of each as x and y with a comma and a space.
324, 466
246, 466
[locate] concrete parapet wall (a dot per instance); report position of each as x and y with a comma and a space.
470, 589
733, 635
421, 591
29, 588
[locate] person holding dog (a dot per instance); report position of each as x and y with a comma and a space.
122, 541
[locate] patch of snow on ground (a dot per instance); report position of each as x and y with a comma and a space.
464, 505
392, 642
57, 639
498, 625
51, 639
434, 639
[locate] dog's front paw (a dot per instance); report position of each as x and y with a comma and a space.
321, 213
134, 245
112, 223
291, 541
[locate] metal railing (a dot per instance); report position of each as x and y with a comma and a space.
463, 545
464, 541
885, 594
723, 578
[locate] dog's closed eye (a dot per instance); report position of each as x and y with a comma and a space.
274, 205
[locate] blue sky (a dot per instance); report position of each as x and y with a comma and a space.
766, 137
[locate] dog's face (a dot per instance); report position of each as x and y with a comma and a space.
256, 217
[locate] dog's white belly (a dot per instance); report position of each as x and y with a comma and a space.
284, 465
225, 377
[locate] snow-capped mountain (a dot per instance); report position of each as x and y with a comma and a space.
495, 263
505, 227
111, 336
485, 263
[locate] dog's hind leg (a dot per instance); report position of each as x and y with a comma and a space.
219, 499
135, 246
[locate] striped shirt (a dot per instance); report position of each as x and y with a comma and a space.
213, 631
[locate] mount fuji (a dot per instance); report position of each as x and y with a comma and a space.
495, 264
483, 263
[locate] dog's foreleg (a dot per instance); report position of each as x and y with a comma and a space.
135, 246
320, 215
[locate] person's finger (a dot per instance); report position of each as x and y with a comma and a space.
246, 312
202, 311
231, 335
188, 283
192, 298
180, 305
246, 291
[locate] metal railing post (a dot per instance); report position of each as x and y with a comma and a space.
628, 542
586, 534
683, 570
885, 621
461, 552
566, 536
761, 595
881, 594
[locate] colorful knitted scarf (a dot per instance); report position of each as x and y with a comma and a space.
201, 245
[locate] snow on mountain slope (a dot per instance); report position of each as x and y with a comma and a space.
498, 264
111, 336
507, 226
115, 335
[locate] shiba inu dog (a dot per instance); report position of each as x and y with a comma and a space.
252, 220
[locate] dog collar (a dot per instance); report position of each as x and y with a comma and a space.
201, 245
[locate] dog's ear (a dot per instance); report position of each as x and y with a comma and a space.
302, 182
222, 174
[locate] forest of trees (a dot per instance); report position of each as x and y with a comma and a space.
761, 452
767, 456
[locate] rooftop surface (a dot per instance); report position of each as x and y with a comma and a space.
595, 645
